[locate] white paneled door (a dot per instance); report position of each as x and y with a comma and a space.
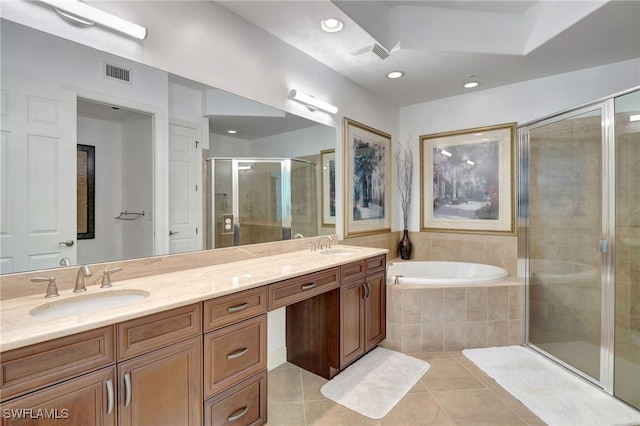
37, 176
185, 189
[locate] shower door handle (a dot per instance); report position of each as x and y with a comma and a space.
602, 246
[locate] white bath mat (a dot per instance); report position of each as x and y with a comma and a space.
376, 382
557, 396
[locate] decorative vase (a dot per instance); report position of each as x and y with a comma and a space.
405, 246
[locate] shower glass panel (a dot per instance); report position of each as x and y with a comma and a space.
260, 210
304, 198
259, 200
565, 226
627, 252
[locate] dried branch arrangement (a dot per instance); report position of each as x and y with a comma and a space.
404, 169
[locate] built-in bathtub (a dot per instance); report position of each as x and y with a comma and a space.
443, 273
450, 306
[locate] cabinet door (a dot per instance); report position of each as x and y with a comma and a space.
375, 310
84, 401
352, 315
163, 387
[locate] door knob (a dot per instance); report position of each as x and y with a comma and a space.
68, 243
173, 233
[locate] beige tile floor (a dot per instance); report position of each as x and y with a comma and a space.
453, 392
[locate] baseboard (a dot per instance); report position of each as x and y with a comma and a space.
276, 357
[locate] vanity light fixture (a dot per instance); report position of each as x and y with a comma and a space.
332, 25
312, 103
447, 153
395, 74
85, 15
635, 117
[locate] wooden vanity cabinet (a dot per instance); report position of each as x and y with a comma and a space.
88, 400
235, 358
160, 368
362, 308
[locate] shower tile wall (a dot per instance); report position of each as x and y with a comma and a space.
627, 332
565, 202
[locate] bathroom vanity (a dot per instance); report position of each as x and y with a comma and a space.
195, 350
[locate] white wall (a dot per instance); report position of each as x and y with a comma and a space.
106, 136
297, 143
137, 181
520, 102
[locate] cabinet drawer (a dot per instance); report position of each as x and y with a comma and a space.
32, 367
376, 263
352, 271
234, 353
243, 404
226, 310
296, 289
145, 334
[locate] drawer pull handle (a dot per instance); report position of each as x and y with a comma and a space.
109, 384
308, 286
127, 388
237, 354
237, 308
241, 412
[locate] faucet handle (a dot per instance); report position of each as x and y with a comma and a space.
106, 278
52, 288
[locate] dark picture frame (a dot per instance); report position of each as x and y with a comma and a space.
86, 189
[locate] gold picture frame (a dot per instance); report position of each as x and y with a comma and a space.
367, 177
467, 182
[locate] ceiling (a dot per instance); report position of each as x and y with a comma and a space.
440, 45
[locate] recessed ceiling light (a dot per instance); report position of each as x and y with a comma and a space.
232, 132
332, 25
395, 74
471, 84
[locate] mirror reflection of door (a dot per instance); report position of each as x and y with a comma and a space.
185, 188
38, 166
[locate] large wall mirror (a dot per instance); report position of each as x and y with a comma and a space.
175, 165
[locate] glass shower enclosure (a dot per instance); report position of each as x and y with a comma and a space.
258, 200
579, 240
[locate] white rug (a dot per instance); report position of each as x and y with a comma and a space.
557, 396
376, 382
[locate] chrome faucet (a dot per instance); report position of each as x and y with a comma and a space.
65, 261
84, 271
328, 239
106, 278
52, 288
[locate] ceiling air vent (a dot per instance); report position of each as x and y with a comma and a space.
117, 73
369, 54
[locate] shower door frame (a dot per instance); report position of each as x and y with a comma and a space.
285, 192
606, 243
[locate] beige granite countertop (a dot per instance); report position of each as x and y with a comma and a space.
166, 291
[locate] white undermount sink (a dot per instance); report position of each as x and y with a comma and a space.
339, 252
89, 303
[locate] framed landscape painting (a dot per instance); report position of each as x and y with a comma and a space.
367, 178
467, 180
328, 187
